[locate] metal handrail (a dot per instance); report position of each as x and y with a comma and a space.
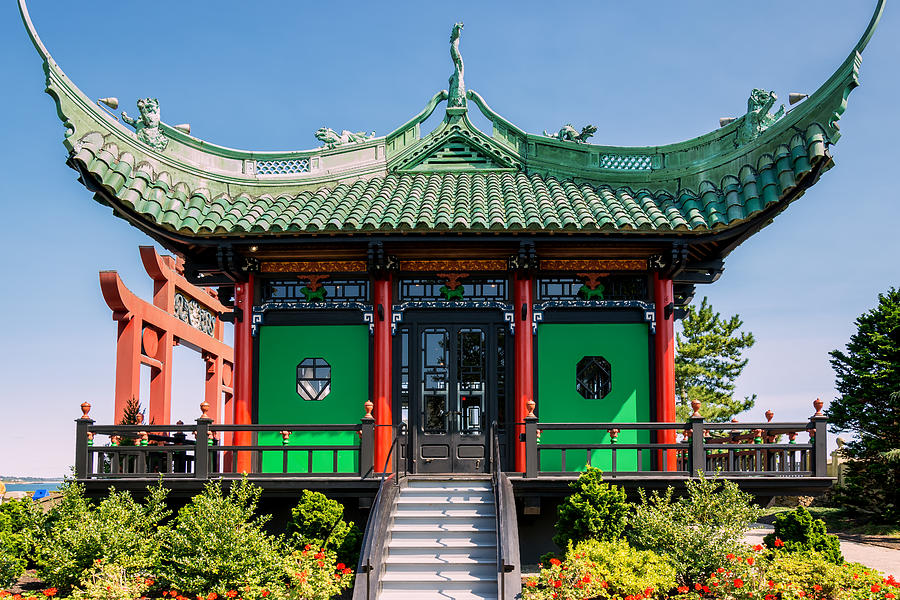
376, 516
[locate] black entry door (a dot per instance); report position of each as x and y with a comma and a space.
454, 392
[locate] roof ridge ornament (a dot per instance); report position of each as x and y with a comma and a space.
457, 93
333, 139
147, 126
567, 133
759, 116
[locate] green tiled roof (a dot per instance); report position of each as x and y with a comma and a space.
455, 178
467, 201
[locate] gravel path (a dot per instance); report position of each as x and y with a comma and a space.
886, 560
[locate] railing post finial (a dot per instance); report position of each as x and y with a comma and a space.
530, 406
368, 406
818, 404
204, 409
695, 406
85, 410
769, 415
285, 437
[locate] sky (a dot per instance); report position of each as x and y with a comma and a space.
266, 75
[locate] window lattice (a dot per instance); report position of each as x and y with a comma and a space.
593, 377
619, 162
313, 378
282, 167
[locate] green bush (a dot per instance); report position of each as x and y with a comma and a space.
595, 510
15, 543
109, 581
319, 521
602, 569
75, 534
695, 531
798, 531
217, 543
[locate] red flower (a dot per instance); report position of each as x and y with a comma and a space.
320, 563
683, 589
801, 593
875, 589
729, 556
778, 543
770, 597
557, 583
346, 571
817, 587
889, 595
531, 583
50, 592
604, 585
554, 561
750, 560
697, 587
265, 593
738, 583
648, 592
720, 570
771, 583
212, 596
757, 548
340, 566
231, 593
307, 547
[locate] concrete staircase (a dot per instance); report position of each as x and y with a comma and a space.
443, 541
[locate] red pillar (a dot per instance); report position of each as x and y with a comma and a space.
524, 361
128, 362
382, 370
243, 371
664, 295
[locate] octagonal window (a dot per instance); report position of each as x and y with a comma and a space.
593, 377
313, 378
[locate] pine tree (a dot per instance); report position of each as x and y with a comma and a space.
708, 360
867, 373
131, 411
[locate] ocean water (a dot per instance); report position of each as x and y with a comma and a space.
31, 487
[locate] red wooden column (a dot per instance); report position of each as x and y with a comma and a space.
524, 361
663, 293
128, 365
243, 370
382, 369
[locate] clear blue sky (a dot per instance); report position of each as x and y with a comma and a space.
265, 75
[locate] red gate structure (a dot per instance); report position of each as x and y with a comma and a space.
181, 313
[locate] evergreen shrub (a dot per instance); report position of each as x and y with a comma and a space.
319, 522
798, 531
217, 543
595, 510
695, 531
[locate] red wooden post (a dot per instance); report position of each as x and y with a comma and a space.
382, 371
664, 296
524, 361
128, 361
243, 367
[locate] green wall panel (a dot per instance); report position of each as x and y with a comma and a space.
281, 348
626, 347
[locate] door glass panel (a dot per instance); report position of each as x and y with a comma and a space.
471, 379
501, 376
404, 375
435, 380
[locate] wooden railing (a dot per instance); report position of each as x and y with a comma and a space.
732, 449
200, 451
203, 450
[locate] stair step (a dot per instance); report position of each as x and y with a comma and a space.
426, 540
442, 553
438, 595
453, 486
444, 575
419, 561
446, 511
436, 529
432, 497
